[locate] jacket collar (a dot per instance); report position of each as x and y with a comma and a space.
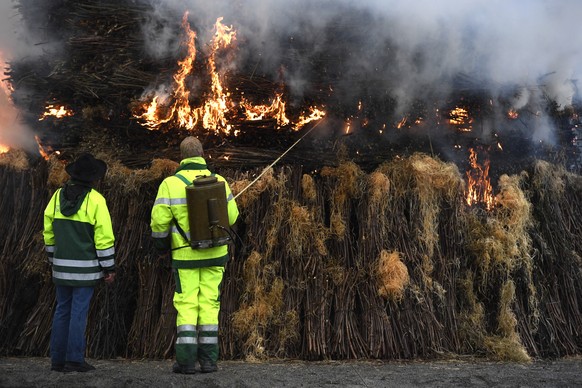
194, 163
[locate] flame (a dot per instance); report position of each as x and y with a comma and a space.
218, 107
214, 110
156, 113
7, 90
402, 122
460, 117
44, 152
212, 114
479, 189
56, 111
259, 112
512, 114
314, 114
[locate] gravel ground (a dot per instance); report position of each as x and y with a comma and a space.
35, 372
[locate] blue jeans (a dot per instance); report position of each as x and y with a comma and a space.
69, 323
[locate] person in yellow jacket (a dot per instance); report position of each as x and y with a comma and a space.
198, 272
79, 242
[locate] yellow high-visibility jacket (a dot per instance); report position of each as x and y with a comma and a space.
80, 242
171, 205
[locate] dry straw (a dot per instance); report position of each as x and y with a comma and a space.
308, 188
262, 308
503, 242
57, 174
424, 185
15, 159
297, 290
304, 233
247, 197
392, 275
348, 185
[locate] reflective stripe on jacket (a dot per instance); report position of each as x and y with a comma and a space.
171, 204
81, 246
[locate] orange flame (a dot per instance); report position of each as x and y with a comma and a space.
314, 114
259, 112
218, 106
7, 90
460, 118
348, 126
214, 110
479, 189
55, 111
402, 122
213, 113
156, 113
512, 114
44, 152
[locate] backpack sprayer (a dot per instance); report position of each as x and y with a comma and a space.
207, 213
208, 208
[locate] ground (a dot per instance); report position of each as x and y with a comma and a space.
35, 372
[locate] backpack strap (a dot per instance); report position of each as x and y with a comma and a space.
186, 181
183, 179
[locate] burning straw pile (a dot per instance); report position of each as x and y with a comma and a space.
348, 262
338, 265
95, 68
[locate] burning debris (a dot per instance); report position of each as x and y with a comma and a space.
56, 111
104, 80
479, 189
219, 111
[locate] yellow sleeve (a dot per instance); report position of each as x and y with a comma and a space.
161, 218
49, 212
232, 207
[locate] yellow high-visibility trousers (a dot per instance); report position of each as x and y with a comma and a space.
197, 301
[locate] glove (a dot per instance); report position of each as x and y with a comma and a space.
162, 245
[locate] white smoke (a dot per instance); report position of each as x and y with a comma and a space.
504, 42
13, 44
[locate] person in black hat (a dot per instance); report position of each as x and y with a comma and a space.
79, 241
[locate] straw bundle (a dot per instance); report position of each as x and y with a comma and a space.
499, 284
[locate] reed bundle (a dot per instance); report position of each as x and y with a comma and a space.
342, 264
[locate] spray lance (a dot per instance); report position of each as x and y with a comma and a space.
208, 209
277, 160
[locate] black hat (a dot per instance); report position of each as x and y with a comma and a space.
86, 168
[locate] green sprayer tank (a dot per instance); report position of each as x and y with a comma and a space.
207, 212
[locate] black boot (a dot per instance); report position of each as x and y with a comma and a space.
58, 367
184, 369
78, 367
208, 367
